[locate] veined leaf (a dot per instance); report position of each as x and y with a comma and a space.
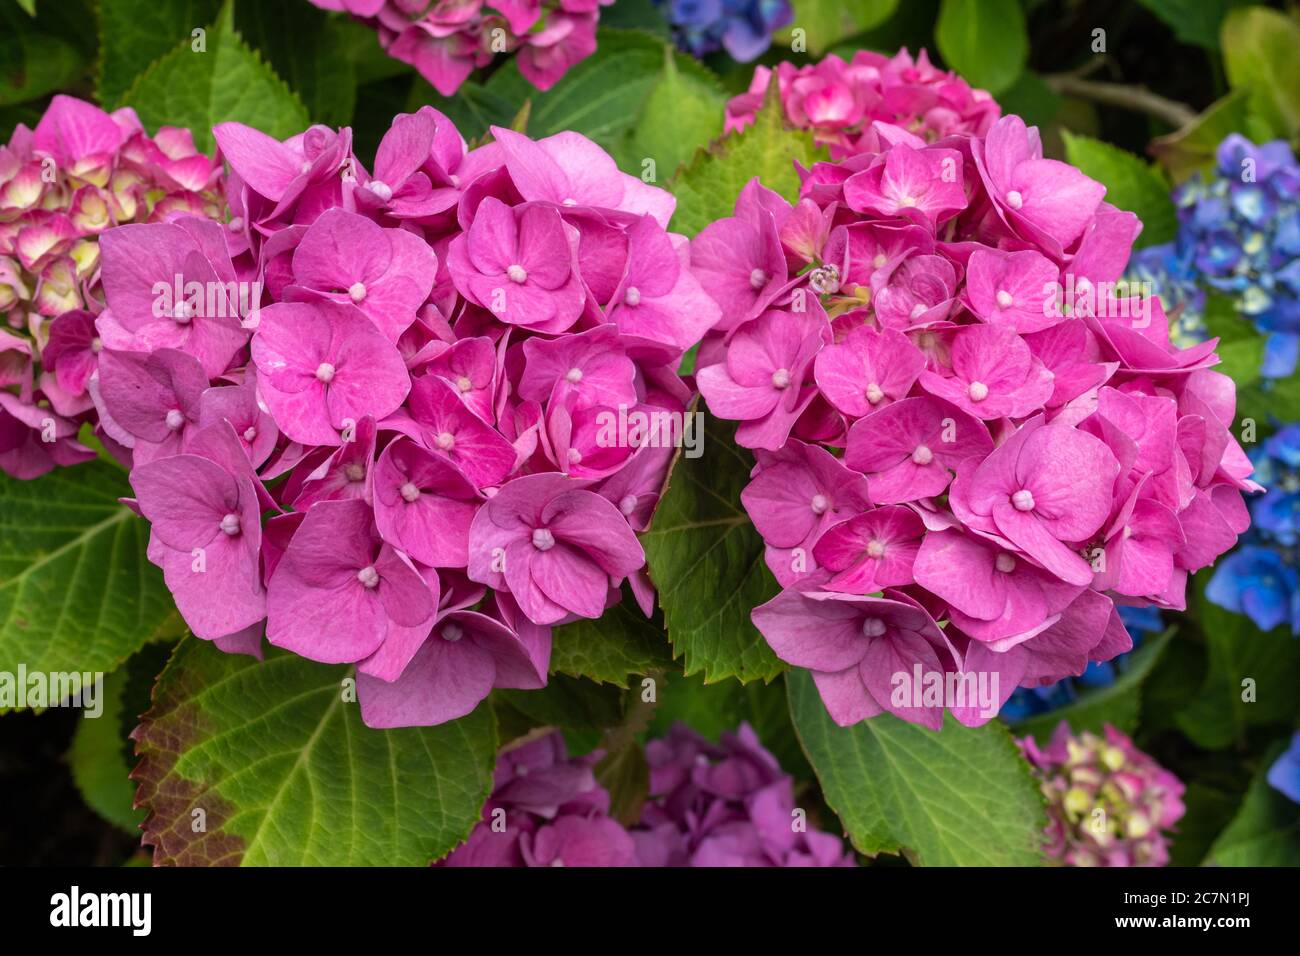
267, 763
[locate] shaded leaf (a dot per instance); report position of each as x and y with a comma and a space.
983, 40
1131, 183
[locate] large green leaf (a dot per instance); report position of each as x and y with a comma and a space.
1266, 830
77, 594
1193, 21
135, 33
620, 642
707, 188
227, 81
1259, 53
1193, 147
98, 765
684, 111
277, 767
825, 22
1118, 703
1130, 183
983, 40
959, 797
35, 58
600, 97
304, 47
706, 559
1216, 714
1241, 347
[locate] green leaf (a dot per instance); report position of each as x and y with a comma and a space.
29, 7
960, 797
685, 110
473, 109
620, 642
600, 97
98, 766
135, 33
1266, 830
1193, 21
227, 81
1241, 347
707, 188
1216, 715
285, 773
1192, 148
706, 559
570, 702
626, 775
827, 22
1130, 183
1259, 54
34, 59
304, 47
76, 592
983, 40
1118, 703
1031, 99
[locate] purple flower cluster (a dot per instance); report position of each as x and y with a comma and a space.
728, 804
1108, 803
446, 40
971, 443
445, 381
546, 809
839, 101
79, 173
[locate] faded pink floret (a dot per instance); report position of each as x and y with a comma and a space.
63, 187
934, 331
403, 420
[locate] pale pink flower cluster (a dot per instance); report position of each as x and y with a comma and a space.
840, 100
79, 173
971, 444
446, 40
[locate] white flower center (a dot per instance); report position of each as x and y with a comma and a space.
451, 631
464, 384
97, 345
1005, 562
250, 433
357, 292
1004, 299
879, 261
446, 441
922, 455
819, 504
325, 372
382, 190
627, 504
175, 419
1014, 199
575, 456
874, 394
781, 378
353, 472
517, 273
236, 224
368, 576
757, 279
978, 391
872, 627
1023, 500
230, 524
632, 296
875, 548
573, 376
410, 492
543, 540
